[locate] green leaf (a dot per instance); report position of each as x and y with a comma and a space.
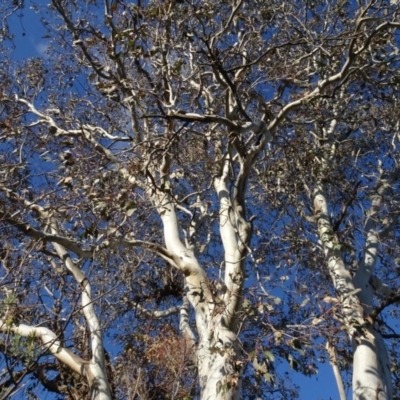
268, 377
130, 207
268, 354
304, 302
259, 367
130, 212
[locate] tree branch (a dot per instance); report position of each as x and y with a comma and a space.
50, 343
336, 371
192, 117
46, 237
158, 313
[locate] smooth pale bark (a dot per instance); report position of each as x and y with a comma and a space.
371, 374
50, 343
217, 349
336, 371
95, 369
219, 376
97, 375
340, 275
216, 352
88, 369
230, 239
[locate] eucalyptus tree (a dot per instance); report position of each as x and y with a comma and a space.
206, 189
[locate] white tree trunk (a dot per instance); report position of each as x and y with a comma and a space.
219, 379
217, 349
371, 373
216, 353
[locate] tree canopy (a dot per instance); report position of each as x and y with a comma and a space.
197, 197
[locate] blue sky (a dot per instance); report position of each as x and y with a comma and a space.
28, 32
